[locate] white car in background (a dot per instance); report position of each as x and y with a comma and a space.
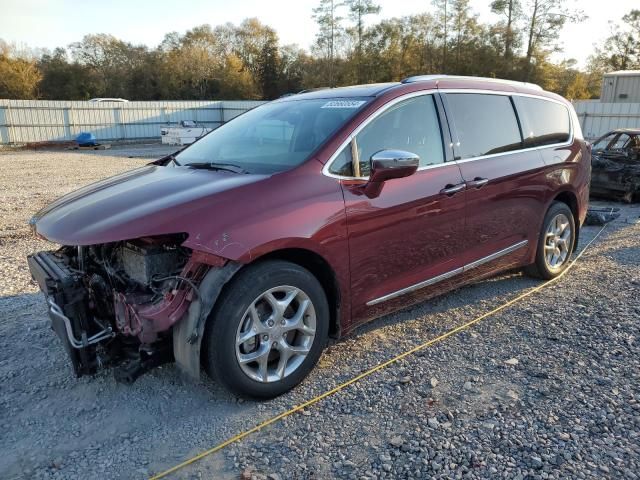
102, 100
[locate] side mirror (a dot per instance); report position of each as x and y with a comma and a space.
389, 164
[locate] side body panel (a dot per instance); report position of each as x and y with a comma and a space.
508, 209
411, 232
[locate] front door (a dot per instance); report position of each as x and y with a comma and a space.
411, 233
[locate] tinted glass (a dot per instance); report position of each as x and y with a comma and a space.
273, 137
342, 164
411, 125
543, 122
486, 124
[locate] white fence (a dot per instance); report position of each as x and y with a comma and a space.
597, 118
24, 121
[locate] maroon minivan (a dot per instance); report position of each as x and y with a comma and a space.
307, 216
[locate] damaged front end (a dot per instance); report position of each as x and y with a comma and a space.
116, 304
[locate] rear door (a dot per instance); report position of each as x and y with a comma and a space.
505, 182
412, 232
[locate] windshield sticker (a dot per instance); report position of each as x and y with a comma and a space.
344, 104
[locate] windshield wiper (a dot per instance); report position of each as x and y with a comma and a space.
229, 167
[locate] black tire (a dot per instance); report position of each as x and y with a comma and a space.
540, 268
220, 359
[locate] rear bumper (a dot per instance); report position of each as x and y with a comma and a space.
67, 304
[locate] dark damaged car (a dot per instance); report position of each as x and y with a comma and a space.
616, 165
306, 217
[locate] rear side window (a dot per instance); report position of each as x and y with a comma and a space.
486, 124
543, 122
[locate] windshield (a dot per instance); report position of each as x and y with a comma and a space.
274, 137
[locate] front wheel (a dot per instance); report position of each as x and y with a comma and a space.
555, 243
268, 330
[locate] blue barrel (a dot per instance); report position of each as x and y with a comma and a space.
86, 139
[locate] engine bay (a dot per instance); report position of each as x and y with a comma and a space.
114, 303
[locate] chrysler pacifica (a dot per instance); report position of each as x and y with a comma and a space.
307, 216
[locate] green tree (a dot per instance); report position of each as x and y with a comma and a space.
256, 45
511, 11
443, 17
465, 35
330, 33
358, 10
269, 70
64, 80
111, 61
621, 51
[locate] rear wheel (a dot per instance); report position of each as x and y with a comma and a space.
555, 243
268, 330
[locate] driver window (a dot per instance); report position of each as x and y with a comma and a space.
411, 125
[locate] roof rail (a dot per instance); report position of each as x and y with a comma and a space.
424, 78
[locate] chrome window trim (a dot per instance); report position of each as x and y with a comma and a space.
359, 128
516, 94
450, 274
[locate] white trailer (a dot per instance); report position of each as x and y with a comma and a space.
621, 87
188, 132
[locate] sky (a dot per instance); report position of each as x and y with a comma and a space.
54, 23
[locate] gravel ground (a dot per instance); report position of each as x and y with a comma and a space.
549, 388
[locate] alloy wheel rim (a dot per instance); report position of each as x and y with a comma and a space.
557, 242
275, 334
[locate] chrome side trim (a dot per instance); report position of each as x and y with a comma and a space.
327, 165
417, 286
447, 275
493, 256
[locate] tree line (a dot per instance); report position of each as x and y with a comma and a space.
247, 61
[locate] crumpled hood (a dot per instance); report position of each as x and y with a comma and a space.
152, 200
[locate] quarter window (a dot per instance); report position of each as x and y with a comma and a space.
411, 125
486, 124
543, 122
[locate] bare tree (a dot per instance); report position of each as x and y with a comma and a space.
545, 19
511, 10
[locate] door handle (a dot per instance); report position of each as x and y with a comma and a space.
478, 182
450, 189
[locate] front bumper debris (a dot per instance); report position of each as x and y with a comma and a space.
57, 315
67, 302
